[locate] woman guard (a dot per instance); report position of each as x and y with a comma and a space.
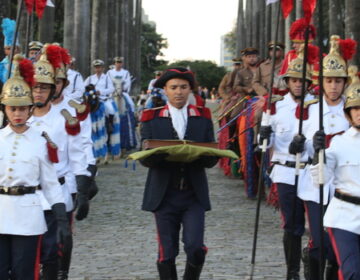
342, 217
25, 168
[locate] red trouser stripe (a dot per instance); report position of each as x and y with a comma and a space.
310, 243
37, 261
161, 248
337, 254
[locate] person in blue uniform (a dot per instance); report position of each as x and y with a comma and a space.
177, 193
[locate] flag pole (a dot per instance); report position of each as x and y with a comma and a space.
264, 147
321, 152
17, 23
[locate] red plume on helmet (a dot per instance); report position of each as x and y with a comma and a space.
65, 56
27, 71
313, 54
348, 48
297, 30
53, 54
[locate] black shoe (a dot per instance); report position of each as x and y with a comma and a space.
314, 267
306, 262
49, 271
62, 275
331, 272
292, 247
167, 271
192, 272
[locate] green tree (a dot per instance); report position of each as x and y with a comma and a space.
151, 45
207, 73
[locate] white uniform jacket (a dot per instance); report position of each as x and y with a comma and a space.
85, 136
285, 126
70, 148
125, 78
24, 162
343, 168
122, 75
103, 84
334, 122
75, 88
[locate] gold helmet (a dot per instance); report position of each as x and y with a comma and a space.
334, 64
50, 60
61, 72
295, 68
17, 89
352, 92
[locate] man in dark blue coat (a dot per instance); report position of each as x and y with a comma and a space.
177, 193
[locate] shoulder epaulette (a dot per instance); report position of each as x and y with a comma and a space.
82, 110
274, 98
205, 112
149, 114
307, 104
72, 125
51, 148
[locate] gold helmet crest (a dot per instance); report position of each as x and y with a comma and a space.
17, 91
352, 92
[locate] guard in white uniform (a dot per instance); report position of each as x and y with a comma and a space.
64, 130
25, 168
34, 50
103, 86
342, 217
334, 121
76, 88
284, 125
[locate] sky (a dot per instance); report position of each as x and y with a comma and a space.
193, 27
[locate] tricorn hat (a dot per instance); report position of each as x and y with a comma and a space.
175, 73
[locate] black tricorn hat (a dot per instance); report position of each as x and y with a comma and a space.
175, 73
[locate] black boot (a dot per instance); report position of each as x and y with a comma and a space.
167, 271
192, 272
314, 269
331, 271
49, 271
306, 262
292, 247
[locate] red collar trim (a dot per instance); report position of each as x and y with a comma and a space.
192, 112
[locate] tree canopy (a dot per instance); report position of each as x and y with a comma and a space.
151, 45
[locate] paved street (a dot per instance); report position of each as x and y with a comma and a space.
118, 240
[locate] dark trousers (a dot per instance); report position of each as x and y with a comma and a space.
287, 196
346, 246
18, 256
180, 208
49, 246
313, 215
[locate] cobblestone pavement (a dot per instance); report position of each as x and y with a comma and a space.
118, 240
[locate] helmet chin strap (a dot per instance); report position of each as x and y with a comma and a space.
18, 125
39, 104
